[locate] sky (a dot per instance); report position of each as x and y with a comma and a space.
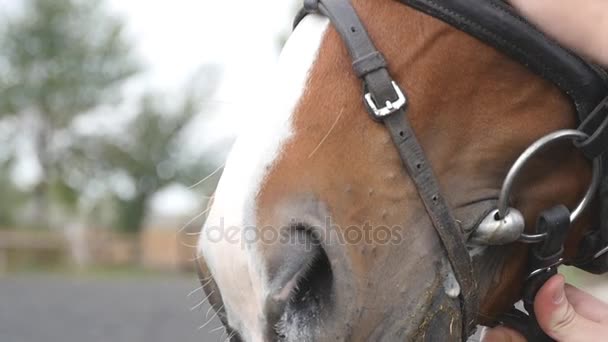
176, 38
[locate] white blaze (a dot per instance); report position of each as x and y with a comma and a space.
259, 145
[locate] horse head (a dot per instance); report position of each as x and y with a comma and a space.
317, 232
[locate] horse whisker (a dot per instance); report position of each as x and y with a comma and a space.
187, 245
229, 337
193, 219
199, 288
217, 329
327, 135
207, 178
202, 302
208, 311
195, 259
210, 319
195, 291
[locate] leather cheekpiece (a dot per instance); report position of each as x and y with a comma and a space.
369, 63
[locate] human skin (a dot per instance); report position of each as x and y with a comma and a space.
581, 25
564, 312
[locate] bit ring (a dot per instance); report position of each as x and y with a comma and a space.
530, 152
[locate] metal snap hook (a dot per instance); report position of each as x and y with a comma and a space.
496, 231
503, 211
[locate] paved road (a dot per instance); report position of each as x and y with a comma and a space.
50, 308
68, 309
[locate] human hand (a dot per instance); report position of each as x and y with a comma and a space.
565, 313
581, 25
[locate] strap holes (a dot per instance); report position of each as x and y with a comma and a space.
402, 134
435, 198
353, 29
419, 166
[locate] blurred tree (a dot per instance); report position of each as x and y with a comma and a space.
9, 210
59, 59
150, 155
147, 154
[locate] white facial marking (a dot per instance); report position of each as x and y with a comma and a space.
232, 216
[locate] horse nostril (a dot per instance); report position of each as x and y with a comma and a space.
315, 282
302, 283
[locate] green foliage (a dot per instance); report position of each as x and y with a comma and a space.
150, 153
12, 199
59, 59
131, 214
62, 58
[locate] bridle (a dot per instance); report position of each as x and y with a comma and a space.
495, 23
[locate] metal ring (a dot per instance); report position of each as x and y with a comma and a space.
535, 238
539, 145
546, 269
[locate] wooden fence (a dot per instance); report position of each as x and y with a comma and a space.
156, 248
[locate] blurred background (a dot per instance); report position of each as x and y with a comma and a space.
115, 120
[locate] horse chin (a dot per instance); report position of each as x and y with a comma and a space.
442, 321
439, 320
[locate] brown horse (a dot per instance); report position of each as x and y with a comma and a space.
317, 231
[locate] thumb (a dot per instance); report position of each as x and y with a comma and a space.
557, 316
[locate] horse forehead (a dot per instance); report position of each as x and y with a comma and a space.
234, 266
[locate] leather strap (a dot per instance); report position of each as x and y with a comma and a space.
439, 212
368, 62
543, 261
496, 23
596, 126
597, 239
520, 322
370, 66
545, 257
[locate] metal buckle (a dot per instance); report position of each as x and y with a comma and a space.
389, 107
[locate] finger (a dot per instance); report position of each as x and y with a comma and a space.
586, 305
501, 334
557, 316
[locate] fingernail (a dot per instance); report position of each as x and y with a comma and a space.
559, 295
